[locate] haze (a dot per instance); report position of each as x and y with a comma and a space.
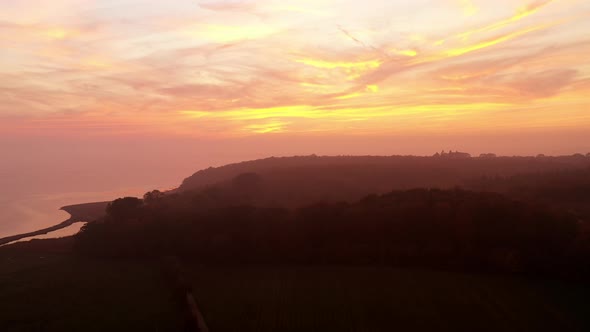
104, 96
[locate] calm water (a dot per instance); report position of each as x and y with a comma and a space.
38, 175
31, 194
25, 213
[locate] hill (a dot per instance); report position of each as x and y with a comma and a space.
294, 181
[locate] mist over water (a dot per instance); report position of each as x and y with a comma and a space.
38, 178
29, 212
38, 175
23, 211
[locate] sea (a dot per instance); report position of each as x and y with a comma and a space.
31, 196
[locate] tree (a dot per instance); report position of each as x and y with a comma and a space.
124, 208
247, 182
152, 196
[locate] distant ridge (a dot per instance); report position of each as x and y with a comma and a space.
314, 177
489, 164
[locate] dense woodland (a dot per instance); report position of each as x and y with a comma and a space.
508, 221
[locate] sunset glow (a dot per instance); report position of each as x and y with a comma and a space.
221, 69
294, 165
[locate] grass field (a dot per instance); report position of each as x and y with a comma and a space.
383, 299
60, 293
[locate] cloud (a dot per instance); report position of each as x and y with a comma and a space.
469, 8
395, 66
541, 85
492, 42
521, 13
224, 33
351, 69
237, 67
237, 5
266, 128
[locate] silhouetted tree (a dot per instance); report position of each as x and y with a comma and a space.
152, 196
434, 228
124, 208
247, 182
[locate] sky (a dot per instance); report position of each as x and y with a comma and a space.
296, 76
104, 98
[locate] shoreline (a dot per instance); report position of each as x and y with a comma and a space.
84, 212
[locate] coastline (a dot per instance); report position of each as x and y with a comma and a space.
78, 213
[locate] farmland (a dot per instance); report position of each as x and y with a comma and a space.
382, 299
62, 293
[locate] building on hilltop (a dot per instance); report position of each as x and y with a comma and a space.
452, 154
487, 155
455, 155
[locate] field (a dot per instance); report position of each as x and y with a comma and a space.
382, 299
61, 293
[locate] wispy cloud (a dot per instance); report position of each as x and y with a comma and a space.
521, 13
240, 6
469, 8
226, 68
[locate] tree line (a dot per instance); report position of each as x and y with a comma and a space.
451, 229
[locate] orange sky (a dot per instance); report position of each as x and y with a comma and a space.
279, 70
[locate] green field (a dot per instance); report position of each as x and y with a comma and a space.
383, 299
60, 293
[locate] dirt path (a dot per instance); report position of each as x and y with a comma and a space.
193, 318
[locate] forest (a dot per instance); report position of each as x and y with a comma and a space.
515, 222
